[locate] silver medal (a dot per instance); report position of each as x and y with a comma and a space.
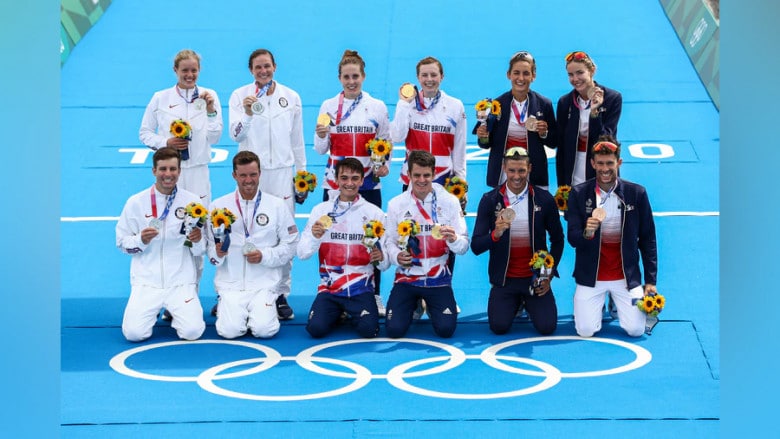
257, 108
200, 104
156, 223
248, 248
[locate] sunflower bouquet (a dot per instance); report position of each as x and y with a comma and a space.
562, 197
304, 182
221, 220
373, 230
195, 216
651, 304
181, 129
541, 265
459, 187
380, 150
408, 230
488, 112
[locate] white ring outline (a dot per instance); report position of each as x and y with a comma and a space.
643, 356
552, 377
118, 361
456, 358
206, 381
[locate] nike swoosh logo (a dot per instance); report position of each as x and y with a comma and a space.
149, 215
173, 105
287, 197
189, 300
269, 304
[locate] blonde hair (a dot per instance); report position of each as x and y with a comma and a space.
185, 54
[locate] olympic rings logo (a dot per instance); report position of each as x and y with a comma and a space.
396, 376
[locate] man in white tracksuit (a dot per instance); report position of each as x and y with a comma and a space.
163, 269
266, 118
249, 270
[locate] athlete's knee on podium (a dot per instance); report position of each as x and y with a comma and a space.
193, 332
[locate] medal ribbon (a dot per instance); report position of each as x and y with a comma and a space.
195, 95
420, 101
604, 197
241, 212
422, 209
334, 214
520, 116
167, 205
339, 118
261, 91
520, 197
577, 102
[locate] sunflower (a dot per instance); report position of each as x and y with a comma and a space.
534, 260
495, 108
378, 230
301, 185
647, 305
561, 202
404, 228
660, 301
482, 105
549, 261
180, 129
220, 219
458, 190
196, 210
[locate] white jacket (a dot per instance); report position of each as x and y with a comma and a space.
345, 265
166, 106
276, 135
272, 230
368, 120
165, 262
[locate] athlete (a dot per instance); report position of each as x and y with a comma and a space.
353, 119
266, 118
513, 222
262, 241
610, 224
527, 121
430, 120
163, 269
335, 231
422, 270
196, 105
584, 114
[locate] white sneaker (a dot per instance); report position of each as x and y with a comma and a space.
421, 309
380, 307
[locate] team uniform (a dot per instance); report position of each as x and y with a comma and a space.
508, 267
609, 262
510, 131
163, 272
356, 122
437, 125
175, 103
276, 136
429, 276
248, 292
346, 273
578, 132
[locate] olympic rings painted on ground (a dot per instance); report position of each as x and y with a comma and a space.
397, 376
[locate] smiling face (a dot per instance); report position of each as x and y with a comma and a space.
580, 77
421, 179
517, 172
430, 77
349, 182
187, 71
351, 80
166, 174
263, 68
606, 166
247, 178
521, 75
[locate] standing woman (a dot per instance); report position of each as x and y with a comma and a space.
355, 118
587, 112
527, 120
199, 107
432, 121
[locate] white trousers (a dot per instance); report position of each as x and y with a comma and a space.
145, 304
589, 302
240, 310
279, 182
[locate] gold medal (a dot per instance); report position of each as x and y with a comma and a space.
323, 119
407, 90
326, 221
599, 213
436, 232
